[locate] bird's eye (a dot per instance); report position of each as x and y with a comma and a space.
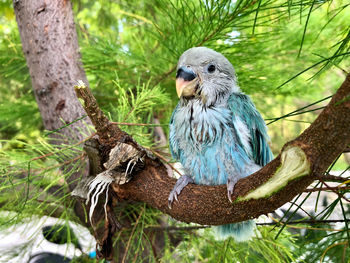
211, 68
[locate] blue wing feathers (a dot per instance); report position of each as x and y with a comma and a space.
173, 142
242, 107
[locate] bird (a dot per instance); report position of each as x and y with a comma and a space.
215, 131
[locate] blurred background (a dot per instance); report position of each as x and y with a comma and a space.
290, 57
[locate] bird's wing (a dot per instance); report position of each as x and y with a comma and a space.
244, 110
173, 143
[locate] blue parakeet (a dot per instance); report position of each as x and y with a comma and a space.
215, 130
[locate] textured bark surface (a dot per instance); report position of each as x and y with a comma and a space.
50, 45
322, 142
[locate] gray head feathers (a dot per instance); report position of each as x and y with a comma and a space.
202, 55
215, 75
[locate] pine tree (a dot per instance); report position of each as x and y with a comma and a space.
129, 52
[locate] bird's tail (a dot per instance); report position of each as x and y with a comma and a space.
241, 231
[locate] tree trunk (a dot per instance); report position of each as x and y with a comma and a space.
50, 45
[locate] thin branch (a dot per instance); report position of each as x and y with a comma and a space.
334, 189
165, 160
174, 228
302, 209
299, 227
131, 235
138, 124
331, 178
62, 149
191, 228
309, 222
165, 75
345, 243
78, 157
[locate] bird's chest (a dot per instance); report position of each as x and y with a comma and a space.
199, 127
209, 144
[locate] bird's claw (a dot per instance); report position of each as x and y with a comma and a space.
231, 182
179, 186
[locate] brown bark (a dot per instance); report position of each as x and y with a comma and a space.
322, 142
50, 45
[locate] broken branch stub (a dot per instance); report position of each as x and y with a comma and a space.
106, 131
113, 157
299, 163
294, 164
121, 158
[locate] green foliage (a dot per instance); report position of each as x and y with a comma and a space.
35, 186
137, 105
331, 245
287, 55
264, 248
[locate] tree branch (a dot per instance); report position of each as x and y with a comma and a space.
332, 178
191, 228
333, 189
298, 165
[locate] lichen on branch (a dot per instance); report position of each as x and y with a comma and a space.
294, 164
296, 167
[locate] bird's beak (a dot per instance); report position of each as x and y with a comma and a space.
186, 82
185, 88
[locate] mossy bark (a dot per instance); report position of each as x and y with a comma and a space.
321, 143
301, 161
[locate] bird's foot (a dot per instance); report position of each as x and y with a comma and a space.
231, 182
179, 186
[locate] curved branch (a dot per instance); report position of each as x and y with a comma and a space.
298, 164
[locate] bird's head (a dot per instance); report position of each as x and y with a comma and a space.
205, 75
